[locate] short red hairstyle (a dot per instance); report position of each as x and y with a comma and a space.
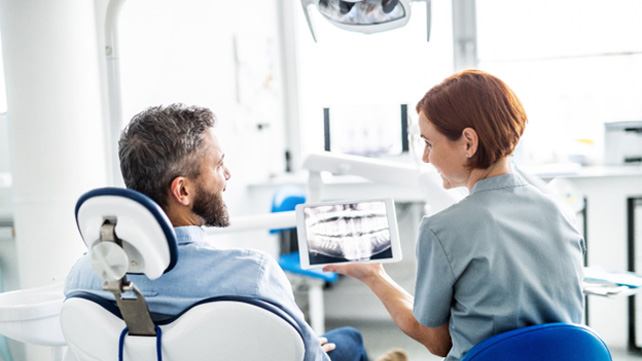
475, 99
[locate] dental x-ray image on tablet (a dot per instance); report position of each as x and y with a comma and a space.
347, 231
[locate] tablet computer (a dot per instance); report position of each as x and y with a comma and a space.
347, 231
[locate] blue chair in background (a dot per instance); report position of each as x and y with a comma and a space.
546, 342
285, 200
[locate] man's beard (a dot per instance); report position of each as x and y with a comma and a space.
211, 208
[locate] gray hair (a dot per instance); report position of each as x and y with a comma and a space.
160, 144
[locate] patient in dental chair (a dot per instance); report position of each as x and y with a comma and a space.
172, 155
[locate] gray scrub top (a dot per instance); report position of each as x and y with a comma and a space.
502, 258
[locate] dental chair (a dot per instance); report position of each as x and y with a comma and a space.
550, 342
127, 233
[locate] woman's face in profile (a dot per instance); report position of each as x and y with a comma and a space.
447, 156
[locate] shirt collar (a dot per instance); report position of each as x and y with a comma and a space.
509, 180
189, 234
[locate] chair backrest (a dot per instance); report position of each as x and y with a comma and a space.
147, 237
127, 232
550, 342
222, 328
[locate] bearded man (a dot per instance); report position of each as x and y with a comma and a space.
172, 155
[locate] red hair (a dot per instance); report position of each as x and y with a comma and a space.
475, 99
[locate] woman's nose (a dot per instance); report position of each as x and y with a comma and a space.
426, 156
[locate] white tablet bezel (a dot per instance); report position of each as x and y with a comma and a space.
392, 224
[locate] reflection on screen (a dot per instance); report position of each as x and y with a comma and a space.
347, 232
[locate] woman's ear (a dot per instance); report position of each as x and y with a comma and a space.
180, 190
471, 140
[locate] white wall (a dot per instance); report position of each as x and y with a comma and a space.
55, 126
218, 55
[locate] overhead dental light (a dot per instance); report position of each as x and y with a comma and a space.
364, 16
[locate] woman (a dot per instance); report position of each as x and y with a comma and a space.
505, 256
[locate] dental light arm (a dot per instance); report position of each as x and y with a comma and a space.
423, 179
257, 222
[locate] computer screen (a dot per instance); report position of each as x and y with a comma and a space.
368, 130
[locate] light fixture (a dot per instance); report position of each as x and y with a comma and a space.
364, 16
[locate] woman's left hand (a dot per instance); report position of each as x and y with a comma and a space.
360, 271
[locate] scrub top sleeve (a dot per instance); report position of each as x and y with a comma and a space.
435, 281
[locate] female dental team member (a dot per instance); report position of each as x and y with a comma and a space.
505, 256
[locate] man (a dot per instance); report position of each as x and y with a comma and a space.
172, 155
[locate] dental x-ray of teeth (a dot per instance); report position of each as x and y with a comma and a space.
347, 232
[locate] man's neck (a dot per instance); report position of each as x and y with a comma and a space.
183, 217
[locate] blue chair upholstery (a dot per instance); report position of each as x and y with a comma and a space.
284, 200
550, 342
290, 262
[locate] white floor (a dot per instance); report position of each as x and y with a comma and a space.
381, 336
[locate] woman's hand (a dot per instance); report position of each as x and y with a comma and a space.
361, 271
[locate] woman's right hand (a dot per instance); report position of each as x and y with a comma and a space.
361, 271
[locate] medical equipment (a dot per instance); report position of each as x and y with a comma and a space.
371, 130
31, 315
399, 180
623, 143
405, 182
348, 231
364, 16
127, 232
376, 178
634, 237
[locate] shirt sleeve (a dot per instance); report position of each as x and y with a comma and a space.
435, 280
276, 287
82, 277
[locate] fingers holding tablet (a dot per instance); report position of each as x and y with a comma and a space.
359, 271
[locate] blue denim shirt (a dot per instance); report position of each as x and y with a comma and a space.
203, 271
503, 258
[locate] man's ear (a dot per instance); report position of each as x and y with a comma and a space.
471, 140
180, 190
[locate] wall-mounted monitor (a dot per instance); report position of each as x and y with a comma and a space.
368, 130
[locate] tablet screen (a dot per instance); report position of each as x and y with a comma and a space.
358, 231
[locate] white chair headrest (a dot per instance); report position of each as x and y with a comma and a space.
148, 239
